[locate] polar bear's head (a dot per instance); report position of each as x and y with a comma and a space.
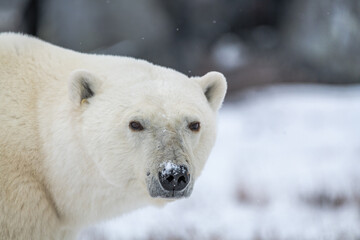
148, 131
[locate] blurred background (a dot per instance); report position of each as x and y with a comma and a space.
287, 160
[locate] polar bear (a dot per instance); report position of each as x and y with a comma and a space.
87, 137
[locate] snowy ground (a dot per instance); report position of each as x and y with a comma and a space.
286, 166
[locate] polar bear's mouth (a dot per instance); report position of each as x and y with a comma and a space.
158, 192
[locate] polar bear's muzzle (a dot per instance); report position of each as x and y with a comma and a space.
174, 177
173, 181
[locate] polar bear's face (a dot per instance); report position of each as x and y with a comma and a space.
155, 135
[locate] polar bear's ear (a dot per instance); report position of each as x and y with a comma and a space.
214, 87
82, 86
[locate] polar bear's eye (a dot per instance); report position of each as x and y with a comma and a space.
194, 126
136, 126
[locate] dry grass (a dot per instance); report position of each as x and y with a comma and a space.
324, 199
247, 197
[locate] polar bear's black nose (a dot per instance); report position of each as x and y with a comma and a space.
174, 177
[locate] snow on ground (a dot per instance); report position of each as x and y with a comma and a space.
286, 165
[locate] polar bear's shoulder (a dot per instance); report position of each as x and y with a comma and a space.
11, 37
16, 44
18, 41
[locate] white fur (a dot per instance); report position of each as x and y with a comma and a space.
66, 163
